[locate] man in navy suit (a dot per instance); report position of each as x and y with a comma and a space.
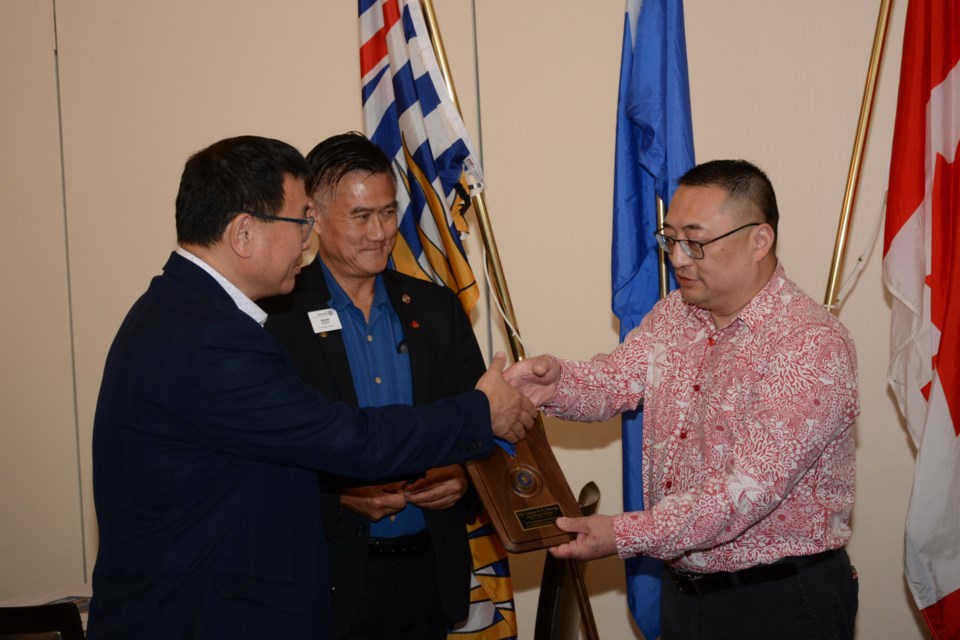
206, 444
397, 548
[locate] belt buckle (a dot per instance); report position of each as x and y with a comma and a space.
694, 582
687, 583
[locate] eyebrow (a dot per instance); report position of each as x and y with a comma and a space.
686, 227
393, 205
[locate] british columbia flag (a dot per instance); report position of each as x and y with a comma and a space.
409, 113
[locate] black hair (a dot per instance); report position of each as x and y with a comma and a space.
239, 174
741, 180
341, 154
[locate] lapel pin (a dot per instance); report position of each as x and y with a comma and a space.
415, 324
405, 298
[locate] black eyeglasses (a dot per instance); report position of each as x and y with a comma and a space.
692, 248
306, 223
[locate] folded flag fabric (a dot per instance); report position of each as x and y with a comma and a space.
408, 112
921, 269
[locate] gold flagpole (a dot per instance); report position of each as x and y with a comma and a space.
853, 176
483, 219
662, 263
501, 291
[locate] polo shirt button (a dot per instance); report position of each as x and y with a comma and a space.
696, 387
369, 338
683, 435
668, 484
377, 380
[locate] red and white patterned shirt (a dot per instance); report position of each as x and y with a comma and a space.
748, 443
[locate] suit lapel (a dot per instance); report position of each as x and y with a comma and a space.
312, 295
416, 330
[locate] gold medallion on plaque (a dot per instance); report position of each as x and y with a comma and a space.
524, 480
524, 492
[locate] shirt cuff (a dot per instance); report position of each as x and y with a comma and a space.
631, 532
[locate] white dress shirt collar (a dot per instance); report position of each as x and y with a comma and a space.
244, 303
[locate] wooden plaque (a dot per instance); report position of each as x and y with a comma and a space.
524, 494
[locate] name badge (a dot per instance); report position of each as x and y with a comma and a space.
324, 320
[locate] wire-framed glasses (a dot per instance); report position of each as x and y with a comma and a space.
305, 223
693, 248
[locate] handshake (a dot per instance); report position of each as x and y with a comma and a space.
515, 393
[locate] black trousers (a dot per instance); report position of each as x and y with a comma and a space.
818, 603
399, 600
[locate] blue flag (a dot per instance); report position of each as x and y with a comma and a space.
654, 148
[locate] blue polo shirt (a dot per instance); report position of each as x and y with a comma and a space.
380, 368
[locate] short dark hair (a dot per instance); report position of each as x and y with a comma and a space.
341, 154
741, 180
245, 173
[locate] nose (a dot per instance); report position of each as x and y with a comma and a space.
375, 228
306, 241
679, 258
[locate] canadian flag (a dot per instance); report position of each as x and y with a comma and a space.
921, 269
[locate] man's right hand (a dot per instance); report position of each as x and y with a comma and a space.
535, 377
511, 414
595, 538
375, 502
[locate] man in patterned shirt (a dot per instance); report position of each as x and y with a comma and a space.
749, 396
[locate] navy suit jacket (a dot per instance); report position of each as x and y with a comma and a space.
206, 445
444, 360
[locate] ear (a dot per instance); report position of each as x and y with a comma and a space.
763, 240
239, 235
319, 215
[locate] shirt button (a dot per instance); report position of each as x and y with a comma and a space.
696, 387
377, 380
369, 338
683, 435
668, 484
711, 341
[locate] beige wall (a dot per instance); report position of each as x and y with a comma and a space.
142, 85
39, 475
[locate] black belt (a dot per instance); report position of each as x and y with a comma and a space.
699, 584
400, 546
